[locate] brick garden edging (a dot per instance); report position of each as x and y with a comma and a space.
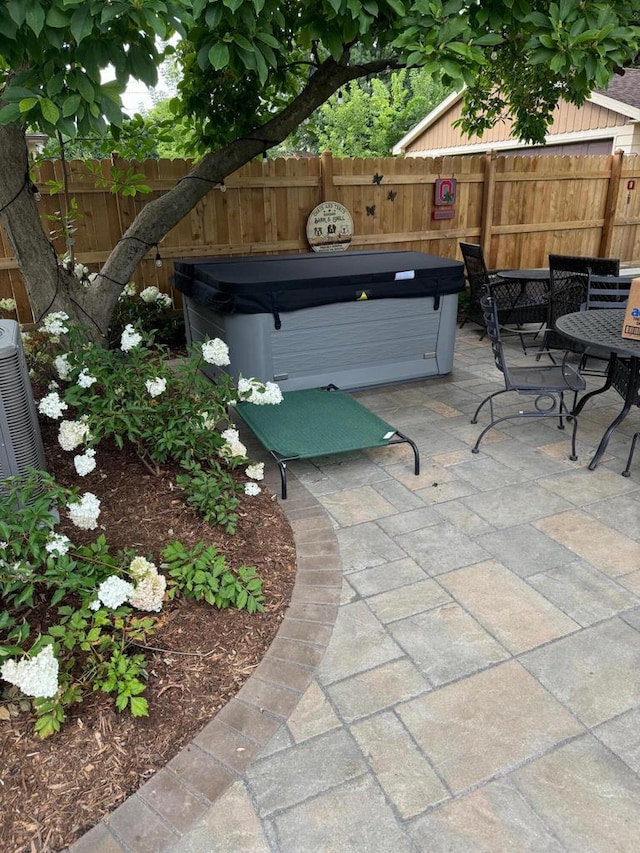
176, 797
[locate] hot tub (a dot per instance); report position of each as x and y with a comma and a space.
355, 319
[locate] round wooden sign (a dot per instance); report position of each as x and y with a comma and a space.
329, 227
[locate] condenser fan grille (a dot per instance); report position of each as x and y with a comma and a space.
20, 441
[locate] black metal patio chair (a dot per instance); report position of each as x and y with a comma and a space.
607, 291
546, 384
519, 301
478, 278
568, 277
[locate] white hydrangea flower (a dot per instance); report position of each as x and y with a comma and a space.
207, 421
80, 271
95, 604
130, 338
84, 464
53, 385
57, 544
84, 514
252, 489
52, 405
149, 294
85, 380
128, 290
36, 676
255, 471
259, 393
156, 386
54, 323
233, 446
164, 299
114, 591
216, 352
72, 433
150, 587
8, 305
140, 566
62, 366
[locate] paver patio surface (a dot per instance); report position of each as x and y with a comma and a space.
459, 669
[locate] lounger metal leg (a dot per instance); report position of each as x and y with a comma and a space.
404, 439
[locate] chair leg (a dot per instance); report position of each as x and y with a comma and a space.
634, 441
574, 432
489, 399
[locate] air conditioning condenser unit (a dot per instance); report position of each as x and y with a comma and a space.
20, 440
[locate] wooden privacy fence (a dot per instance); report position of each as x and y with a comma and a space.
520, 208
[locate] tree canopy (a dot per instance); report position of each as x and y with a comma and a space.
253, 70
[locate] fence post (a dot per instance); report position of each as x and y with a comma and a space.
326, 177
611, 203
488, 197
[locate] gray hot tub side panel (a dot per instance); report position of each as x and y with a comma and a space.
352, 344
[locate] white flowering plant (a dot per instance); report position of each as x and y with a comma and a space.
100, 604
175, 414
101, 607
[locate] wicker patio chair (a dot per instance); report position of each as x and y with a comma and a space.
545, 384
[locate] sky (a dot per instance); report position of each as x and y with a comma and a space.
136, 97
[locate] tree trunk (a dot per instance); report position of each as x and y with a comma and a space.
51, 288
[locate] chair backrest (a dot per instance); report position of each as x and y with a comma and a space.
474, 262
607, 291
568, 277
490, 311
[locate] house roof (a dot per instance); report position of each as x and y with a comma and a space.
622, 95
624, 88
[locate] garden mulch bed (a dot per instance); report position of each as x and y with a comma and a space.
53, 791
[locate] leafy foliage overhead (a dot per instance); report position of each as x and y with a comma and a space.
244, 61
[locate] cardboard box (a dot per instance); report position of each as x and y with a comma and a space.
631, 323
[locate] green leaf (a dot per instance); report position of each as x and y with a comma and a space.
243, 42
112, 112
139, 706
213, 16
56, 17
267, 38
49, 110
55, 84
71, 104
219, 56
84, 86
17, 9
81, 23
47, 725
27, 104
35, 18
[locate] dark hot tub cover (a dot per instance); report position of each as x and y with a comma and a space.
277, 283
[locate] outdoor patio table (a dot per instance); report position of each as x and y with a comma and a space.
525, 295
602, 330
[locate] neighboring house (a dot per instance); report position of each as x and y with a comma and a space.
606, 122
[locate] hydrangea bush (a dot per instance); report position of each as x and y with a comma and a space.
98, 603
151, 312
